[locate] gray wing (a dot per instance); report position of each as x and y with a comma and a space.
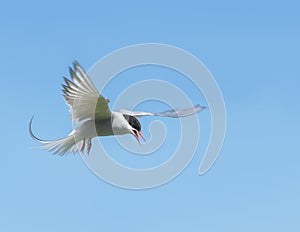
83, 98
175, 113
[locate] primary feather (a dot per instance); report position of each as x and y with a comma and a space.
83, 98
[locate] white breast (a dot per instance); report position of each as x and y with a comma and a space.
116, 125
120, 125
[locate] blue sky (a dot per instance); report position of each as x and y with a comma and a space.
251, 48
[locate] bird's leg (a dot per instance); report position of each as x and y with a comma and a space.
83, 145
89, 146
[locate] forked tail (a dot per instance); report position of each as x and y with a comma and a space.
69, 144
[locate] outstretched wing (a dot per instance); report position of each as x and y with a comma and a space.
170, 113
83, 98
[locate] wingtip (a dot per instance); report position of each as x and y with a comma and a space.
198, 106
71, 70
76, 65
66, 80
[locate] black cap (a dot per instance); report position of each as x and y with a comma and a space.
133, 122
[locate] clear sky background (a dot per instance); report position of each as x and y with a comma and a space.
252, 49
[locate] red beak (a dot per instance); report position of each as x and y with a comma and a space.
137, 137
141, 134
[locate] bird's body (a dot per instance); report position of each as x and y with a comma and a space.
91, 112
115, 125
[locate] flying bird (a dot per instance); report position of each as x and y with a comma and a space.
91, 112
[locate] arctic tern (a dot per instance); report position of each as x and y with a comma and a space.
91, 112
